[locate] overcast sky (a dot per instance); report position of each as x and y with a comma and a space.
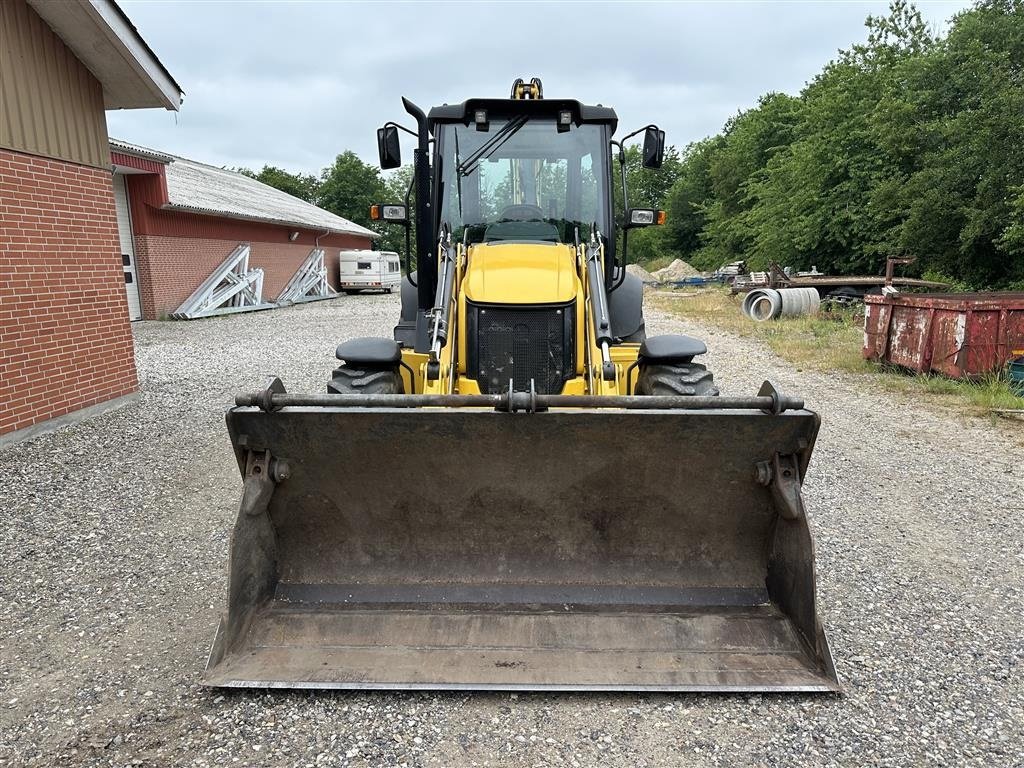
294, 84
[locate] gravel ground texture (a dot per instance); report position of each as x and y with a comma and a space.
114, 542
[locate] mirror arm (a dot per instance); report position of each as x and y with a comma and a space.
614, 283
622, 271
634, 133
621, 144
622, 170
410, 131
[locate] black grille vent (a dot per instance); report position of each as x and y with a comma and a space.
520, 344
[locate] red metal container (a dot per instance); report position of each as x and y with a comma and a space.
961, 335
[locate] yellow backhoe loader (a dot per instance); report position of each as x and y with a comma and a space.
521, 489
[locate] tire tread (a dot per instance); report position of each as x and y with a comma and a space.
679, 379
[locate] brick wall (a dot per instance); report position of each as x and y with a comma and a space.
65, 338
171, 268
175, 251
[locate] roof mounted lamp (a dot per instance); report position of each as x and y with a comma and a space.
480, 119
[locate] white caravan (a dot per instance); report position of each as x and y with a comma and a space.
369, 271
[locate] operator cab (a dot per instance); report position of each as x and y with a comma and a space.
522, 169
518, 171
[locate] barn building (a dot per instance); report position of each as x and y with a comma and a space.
65, 340
185, 226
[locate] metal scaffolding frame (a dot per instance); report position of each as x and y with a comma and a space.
309, 283
232, 287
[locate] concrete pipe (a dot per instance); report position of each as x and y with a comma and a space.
796, 302
766, 305
749, 298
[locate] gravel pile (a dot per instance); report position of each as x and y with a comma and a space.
114, 546
637, 271
677, 270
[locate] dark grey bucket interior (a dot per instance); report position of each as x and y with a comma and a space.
458, 548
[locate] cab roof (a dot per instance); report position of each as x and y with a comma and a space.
463, 113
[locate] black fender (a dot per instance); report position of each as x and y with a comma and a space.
410, 299
626, 307
405, 331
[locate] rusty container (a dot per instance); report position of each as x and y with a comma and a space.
961, 335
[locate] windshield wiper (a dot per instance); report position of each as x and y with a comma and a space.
489, 147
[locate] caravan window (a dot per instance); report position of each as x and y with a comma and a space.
364, 265
392, 266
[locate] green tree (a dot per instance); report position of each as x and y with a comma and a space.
303, 186
348, 187
903, 145
960, 199
686, 201
750, 141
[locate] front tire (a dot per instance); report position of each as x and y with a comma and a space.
676, 379
350, 380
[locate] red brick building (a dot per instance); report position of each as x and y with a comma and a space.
65, 340
180, 219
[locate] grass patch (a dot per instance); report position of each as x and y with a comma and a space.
987, 394
829, 341
832, 341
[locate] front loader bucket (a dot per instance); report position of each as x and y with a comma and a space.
458, 548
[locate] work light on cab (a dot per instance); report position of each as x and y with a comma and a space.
389, 212
644, 217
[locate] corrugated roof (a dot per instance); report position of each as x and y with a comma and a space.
116, 145
200, 188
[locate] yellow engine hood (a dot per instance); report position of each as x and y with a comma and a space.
521, 273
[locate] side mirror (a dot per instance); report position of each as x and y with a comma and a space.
389, 213
654, 147
643, 217
388, 147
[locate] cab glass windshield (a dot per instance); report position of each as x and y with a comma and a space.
522, 180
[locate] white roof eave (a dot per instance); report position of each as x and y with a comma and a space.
106, 42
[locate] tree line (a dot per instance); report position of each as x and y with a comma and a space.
908, 144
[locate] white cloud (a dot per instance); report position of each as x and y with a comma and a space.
294, 84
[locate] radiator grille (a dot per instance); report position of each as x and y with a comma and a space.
520, 344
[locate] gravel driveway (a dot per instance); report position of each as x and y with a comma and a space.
113, 557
